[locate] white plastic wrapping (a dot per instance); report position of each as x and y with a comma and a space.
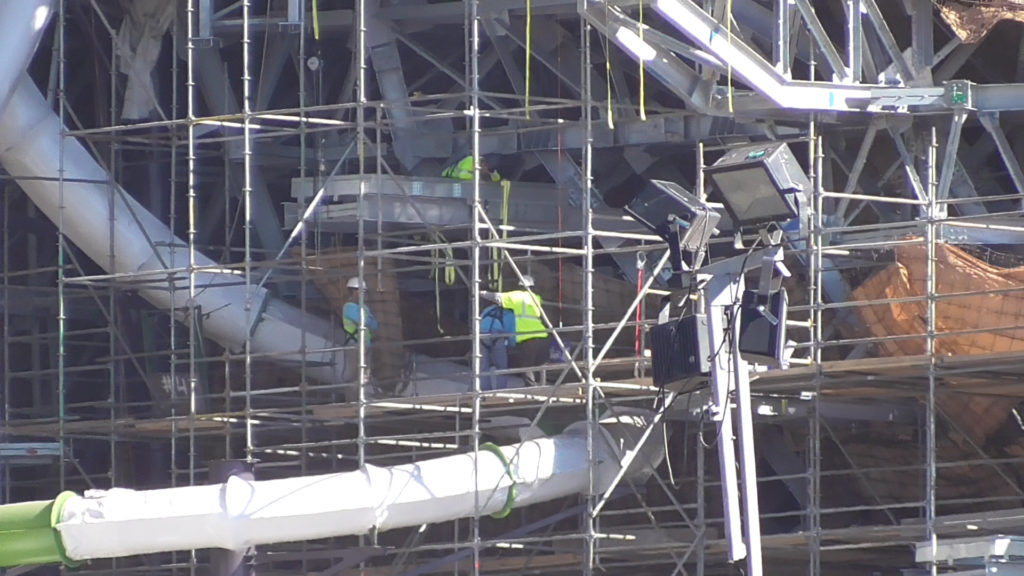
239, 513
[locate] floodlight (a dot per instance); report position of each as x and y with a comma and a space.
762, 335
681, 353
671, 203
683, 220
759, 184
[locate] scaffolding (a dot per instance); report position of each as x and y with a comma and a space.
866, 450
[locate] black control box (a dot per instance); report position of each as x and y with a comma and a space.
680, 351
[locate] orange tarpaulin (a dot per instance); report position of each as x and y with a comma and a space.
972, 22
979, 310
969, 317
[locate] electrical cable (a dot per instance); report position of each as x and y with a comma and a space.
668, 461
700, 432
727, 337
735, 300
693, 278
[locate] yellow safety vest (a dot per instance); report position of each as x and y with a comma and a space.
463, 170
351, 326
526, 306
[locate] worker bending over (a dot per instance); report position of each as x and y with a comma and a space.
531, 337
463, 169
497, 335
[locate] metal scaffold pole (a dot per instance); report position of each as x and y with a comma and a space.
193, 314
362, 354
61, 248
360, 142
478, 220
815, 259
250, 314
931, 327
303, 248
590, 542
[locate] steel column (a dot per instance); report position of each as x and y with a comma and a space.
949, 157
854, 39
888, 40
832, 58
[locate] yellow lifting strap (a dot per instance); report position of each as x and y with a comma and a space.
506, 187
437, 288
316, 21
449, 277
437, 298
496, 266
449, 267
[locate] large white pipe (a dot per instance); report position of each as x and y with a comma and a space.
117, 233
19, 45
240, 513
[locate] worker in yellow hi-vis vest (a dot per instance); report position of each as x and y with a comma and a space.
353, 318
463, 169
531, 337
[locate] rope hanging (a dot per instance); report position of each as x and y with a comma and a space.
434, 254
449, 275
316, 21
506, 187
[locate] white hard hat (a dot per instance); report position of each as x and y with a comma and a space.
355, 284
527, 281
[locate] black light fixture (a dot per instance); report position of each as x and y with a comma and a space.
683, 220
681, 353
762, 338
759, 184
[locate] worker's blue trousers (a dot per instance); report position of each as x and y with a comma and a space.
493, 356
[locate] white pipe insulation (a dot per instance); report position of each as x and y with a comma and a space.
239, 513
122, 237
19, 45
117, 233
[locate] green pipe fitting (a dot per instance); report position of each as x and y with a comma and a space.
25, 515
28, 532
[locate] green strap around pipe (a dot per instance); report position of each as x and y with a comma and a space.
28, 533
510, 496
